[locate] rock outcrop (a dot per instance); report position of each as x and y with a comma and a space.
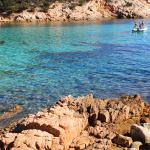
81, 123
92, 10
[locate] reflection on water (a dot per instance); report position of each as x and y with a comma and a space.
42, 62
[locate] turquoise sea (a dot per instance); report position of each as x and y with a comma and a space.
42, 62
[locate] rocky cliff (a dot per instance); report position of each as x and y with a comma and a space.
92, 10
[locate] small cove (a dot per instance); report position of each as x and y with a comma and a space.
42, 62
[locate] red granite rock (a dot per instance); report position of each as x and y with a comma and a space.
104, 116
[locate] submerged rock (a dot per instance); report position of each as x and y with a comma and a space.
2, 42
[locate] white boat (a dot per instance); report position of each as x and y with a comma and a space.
139, 29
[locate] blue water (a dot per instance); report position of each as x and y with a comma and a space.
42, 62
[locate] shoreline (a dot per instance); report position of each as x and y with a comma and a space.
102, 122
92, 10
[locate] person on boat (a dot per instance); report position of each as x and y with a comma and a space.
135, 26
143, 24
140, 26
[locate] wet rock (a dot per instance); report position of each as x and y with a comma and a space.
17, 107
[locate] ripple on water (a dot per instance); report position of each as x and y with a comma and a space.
40, 63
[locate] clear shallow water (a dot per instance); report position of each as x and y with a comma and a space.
40, 63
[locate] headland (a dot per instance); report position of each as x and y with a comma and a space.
91, 10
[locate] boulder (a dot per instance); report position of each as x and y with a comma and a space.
29, 139
104, 116
82, 141
136, 145
146, 125
139, 133
17, 107
59, 120
113, 114
123, 140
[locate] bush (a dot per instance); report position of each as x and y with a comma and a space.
46, 3
61, 1
1, 4
73, 5
45, 9
6, 4
24, 5
35, 2
45, 6
13, 8
108, 1
81, 2
128, 4
32, 8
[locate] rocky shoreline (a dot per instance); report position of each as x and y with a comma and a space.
83, 123
92, 10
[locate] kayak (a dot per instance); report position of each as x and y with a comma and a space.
139, 29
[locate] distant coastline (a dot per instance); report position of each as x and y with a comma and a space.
92, 10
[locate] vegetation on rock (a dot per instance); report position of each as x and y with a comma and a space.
128, 4
20, 5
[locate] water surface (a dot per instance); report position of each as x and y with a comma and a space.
42, 62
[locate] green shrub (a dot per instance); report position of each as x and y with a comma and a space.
24, 5
73, 5
46, 3
128, 4
36, 2
44, 8
6, 4
32, 8
1, 4
81, 2
108, 1
61, 1
13, 8
53, 7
